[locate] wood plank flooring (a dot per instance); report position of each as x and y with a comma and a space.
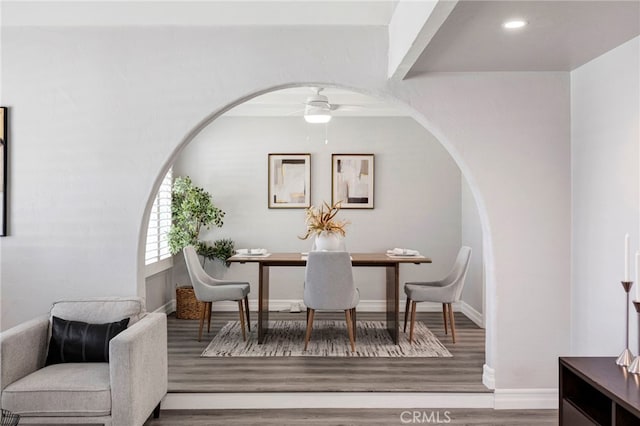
325, 417
190, 373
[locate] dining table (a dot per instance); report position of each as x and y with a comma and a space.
390, 262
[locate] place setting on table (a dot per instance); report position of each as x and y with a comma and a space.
404, 253
251, 252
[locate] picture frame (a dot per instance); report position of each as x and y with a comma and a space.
352, 180
3, 171
289, 181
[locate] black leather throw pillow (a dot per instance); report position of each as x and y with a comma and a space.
76, 341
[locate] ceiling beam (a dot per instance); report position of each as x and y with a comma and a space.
412, 26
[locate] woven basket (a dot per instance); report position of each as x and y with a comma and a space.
187, 306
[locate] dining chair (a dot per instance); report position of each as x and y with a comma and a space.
445, 291
209, 290
328, 285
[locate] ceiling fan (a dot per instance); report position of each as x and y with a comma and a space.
317, 109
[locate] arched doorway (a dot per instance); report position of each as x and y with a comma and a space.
489, 300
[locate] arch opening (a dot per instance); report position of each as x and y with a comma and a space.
488, 283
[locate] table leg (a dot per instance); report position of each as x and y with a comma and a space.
263, 303
393, 301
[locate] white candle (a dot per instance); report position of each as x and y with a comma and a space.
626, 257
637, 275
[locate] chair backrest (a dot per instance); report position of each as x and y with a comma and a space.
99, 310
459, 271
328, 282
199, 278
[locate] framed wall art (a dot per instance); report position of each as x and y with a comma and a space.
289, 181
3, 171
352, 178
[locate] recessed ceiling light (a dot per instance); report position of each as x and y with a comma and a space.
514, 24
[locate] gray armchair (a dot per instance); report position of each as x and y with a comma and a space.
209, 290
328, 285
123, 391
445, 291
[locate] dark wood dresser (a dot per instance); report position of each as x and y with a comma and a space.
596, 391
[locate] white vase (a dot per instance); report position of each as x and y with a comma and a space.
327, 241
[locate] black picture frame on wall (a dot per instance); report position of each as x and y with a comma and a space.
3, 170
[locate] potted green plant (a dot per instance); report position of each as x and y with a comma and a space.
192, 209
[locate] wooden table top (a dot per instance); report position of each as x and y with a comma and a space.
357, 259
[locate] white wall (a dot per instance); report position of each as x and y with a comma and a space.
417, 194
159, 290
471, 236
98, 114
605, 139
511, 132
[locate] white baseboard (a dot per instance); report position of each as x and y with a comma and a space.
363, 306
168, 307
526, 399
502, 399
471, 313
259, 400
488, 377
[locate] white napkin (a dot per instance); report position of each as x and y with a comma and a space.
257, 251
403, 252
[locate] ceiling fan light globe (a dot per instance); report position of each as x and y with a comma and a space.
317, 114
320, 118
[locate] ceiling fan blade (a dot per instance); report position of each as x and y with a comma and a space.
346, 107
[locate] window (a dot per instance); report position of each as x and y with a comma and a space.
157, 247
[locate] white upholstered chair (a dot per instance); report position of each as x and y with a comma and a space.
445, 291
209, 290
328, 285
123, 391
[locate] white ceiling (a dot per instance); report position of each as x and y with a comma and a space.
560, 35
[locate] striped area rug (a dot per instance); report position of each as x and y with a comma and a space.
328, 339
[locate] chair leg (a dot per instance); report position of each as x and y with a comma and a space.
347, 314
444, 317
413, 320
310, 313
452, 321
202, 315
241, 312
156, 411
406, 313
246, 311
353, 321
209, 309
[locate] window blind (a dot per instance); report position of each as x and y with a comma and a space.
157, 246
